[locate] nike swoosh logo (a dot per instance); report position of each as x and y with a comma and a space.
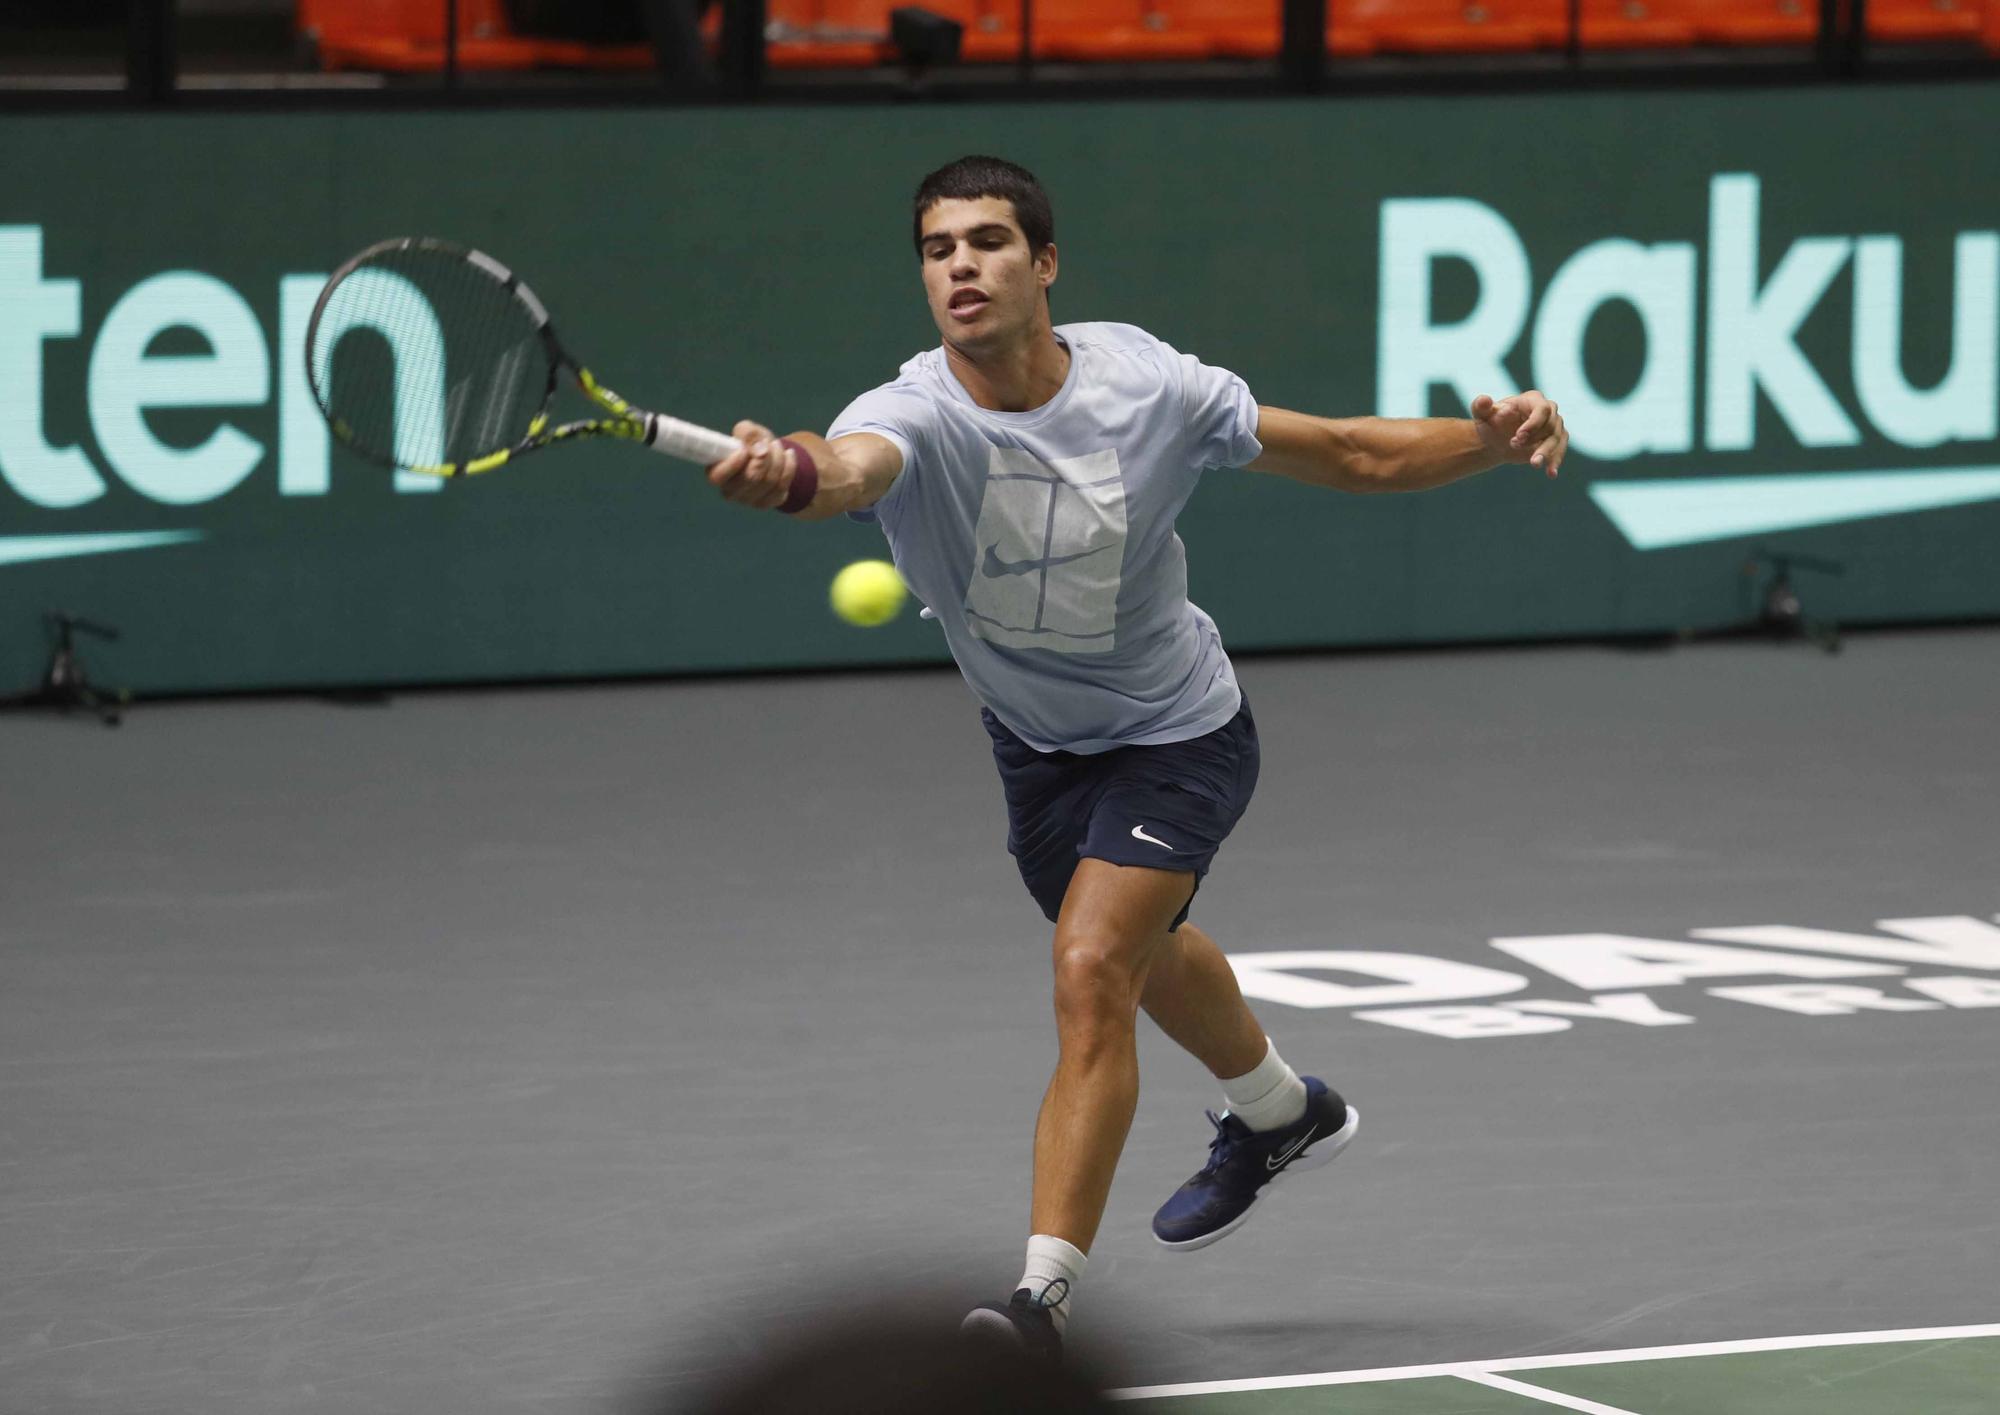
15, 550
1654, 515
1139, 833
1286, 1155
993, 567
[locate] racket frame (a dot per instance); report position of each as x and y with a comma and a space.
628, 423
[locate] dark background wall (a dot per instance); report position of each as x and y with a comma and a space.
757, 263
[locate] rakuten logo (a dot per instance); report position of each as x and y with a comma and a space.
124, 382
1749, 337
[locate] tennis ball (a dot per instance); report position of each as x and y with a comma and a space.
868, 592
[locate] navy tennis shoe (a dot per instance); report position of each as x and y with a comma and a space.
1022, 1323
1244, 1163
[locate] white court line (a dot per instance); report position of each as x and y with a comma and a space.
1537, 1363
1544, 1395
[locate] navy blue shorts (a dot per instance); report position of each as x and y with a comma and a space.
1167, 806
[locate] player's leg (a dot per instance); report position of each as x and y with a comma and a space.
1192, 994
1277, 1121
1111, 921
1112, 928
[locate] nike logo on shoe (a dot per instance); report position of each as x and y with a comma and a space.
1290, 1152
1139, 833
993, 567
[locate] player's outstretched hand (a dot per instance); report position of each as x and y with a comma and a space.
759, 473
1523, 428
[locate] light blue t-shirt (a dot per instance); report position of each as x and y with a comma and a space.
1044, 544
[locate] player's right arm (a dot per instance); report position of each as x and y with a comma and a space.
854, 471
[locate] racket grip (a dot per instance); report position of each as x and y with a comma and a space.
689, 441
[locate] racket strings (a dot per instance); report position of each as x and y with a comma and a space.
455, 366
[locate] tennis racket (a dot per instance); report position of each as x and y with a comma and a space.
463, 374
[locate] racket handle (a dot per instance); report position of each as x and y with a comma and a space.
689, 441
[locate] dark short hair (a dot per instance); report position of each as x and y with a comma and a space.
970, 178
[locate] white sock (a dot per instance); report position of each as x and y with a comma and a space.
1054, 1269
1268, 1097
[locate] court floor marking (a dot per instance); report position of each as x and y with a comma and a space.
1544, 1363
1541, 1393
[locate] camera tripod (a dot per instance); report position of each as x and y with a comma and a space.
66, 686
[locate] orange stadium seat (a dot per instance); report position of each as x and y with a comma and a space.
1757, 22
1229, 29
1455, 26
1108, 31
832, 34
826, 34
396, 35
1138, 30
1127, 30
854, 33
1889, 21
1925, 21
829, 34
407, 36
992, 28
1635, 24
1254, 29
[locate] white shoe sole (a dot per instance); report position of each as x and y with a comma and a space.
990, 1326
1314, 1158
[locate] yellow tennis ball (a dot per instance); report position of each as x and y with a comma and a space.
868, 592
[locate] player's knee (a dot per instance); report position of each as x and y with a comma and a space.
1096, 990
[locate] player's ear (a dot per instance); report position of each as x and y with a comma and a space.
1045, 265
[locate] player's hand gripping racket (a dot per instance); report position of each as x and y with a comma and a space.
470, 368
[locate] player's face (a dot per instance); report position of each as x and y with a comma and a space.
984, 286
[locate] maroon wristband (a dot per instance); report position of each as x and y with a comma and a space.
805, 478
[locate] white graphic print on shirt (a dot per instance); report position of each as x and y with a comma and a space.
1050, 544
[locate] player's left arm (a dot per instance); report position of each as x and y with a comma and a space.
1411, 454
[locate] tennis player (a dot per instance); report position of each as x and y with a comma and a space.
1027, 477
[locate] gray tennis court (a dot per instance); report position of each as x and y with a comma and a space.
523, 1050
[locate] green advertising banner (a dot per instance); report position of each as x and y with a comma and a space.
1771, 319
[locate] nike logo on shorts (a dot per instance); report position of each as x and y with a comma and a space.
1139, 833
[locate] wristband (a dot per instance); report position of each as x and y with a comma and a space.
805, 479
